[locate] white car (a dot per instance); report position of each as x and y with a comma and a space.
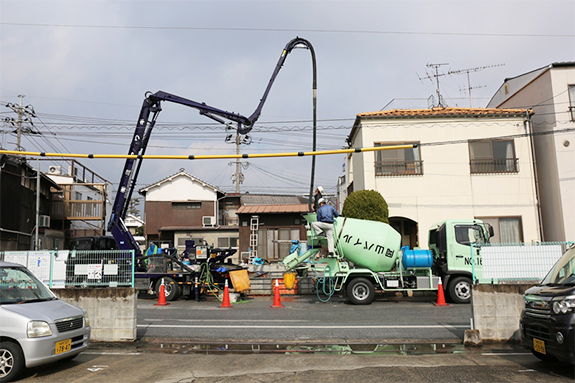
36, 327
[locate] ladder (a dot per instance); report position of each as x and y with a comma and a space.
254, 226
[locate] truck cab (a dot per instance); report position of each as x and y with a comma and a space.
451, 243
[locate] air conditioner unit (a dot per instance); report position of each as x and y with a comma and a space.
55, 170
44, 221
208, 221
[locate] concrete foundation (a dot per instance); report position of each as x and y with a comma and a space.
112, 311
497, 310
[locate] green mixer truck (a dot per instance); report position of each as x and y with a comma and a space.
368, 256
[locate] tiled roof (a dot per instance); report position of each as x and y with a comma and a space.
271, 209
445, 112
269, 199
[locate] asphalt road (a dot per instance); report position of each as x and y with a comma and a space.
305, 319
121, 364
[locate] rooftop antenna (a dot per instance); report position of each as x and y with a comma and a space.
467, 71
436, 76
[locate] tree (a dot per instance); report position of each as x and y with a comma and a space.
366, 204
133, 207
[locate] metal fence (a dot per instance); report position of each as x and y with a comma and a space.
71, 268
517, 262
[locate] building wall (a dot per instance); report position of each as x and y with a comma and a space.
164, 214
548, 94
447, 190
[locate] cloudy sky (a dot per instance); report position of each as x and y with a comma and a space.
85, 66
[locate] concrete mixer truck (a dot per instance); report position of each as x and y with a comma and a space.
368, 256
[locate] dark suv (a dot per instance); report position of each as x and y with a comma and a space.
548, 320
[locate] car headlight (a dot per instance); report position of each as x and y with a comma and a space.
86, 319
38, 329
564, 306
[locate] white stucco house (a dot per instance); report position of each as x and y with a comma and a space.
550, 92
465, 163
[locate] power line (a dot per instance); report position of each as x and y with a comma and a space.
229, 29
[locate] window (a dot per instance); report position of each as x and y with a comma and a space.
469, 234
225, 242
572, 102
506, 229
492, 156
398, 162
186, 205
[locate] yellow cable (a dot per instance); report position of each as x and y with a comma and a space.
206, 157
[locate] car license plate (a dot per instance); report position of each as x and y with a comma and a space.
63, 346
539, 346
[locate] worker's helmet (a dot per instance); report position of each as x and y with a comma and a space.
321, 200
320, 189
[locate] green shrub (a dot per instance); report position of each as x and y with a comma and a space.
366, 204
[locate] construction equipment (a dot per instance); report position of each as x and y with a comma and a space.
368, 254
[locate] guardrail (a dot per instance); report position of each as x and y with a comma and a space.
514, 262
76, 268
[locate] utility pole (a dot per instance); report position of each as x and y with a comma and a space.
238, 176
25, 113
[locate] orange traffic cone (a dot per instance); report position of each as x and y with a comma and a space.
277, 300
226, 301
162, 295
440, 296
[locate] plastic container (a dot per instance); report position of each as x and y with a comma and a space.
289, 280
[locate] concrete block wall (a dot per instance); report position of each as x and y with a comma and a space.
497, 310
112, 311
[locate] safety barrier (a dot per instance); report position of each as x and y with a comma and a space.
76, 268
517, 262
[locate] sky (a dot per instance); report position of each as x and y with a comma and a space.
85, 66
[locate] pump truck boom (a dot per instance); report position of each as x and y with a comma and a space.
368, 254
149, 113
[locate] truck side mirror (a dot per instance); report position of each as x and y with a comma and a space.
491, 232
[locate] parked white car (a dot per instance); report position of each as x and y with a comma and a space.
36, 327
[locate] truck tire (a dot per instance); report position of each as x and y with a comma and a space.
360, 291
459, 289
11, 361
171, 288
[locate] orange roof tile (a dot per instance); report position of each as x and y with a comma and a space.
446, 112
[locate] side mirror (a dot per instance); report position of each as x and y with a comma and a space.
491, 232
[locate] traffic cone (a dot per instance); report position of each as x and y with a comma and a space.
440, 296
277, 300
162, 295
226, 301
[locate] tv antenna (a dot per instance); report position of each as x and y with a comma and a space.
435, 77
467, 71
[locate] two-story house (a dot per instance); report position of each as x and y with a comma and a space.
466, 163
182, 207
20, 208
550, 92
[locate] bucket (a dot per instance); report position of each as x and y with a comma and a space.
289, 280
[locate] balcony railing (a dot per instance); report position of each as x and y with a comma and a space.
398, 168
503, 165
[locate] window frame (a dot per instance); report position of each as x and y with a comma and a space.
491, 164
399, 167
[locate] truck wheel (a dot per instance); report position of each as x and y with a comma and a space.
171, 289
11, 361
360, 291
460, 290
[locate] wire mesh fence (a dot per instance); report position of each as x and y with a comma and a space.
72, 268
517, 262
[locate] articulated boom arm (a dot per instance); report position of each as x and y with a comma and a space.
151, 108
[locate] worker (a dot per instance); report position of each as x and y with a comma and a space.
316, 197
326, 215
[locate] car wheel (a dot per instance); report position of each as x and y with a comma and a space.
171, 288
460, 290
11, 361
360, 291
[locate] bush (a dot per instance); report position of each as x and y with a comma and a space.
366, 204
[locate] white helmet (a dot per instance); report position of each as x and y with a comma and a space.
321, 200
320, 189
